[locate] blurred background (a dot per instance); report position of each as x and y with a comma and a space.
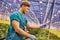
40, 12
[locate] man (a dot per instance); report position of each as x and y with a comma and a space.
17, 23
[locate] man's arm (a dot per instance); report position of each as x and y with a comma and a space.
17, 29
33, 25
30, 25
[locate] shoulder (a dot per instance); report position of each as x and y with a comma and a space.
15, 13
15, 16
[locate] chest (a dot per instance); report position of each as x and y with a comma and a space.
23, 20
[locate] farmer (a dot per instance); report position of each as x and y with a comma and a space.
17, 22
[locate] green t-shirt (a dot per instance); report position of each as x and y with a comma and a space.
12, 35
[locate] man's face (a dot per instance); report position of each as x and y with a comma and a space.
25, 9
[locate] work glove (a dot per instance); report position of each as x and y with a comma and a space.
44, 24
32, 37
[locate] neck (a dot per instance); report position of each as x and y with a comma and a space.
21, 11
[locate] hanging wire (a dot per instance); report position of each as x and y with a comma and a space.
41, 9
51, 12
46, 11
36, 19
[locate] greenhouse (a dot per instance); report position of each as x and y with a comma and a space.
42, 13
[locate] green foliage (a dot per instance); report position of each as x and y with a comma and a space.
42, 34
3, 30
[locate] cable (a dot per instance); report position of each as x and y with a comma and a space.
41, 10
51, 12
46, 12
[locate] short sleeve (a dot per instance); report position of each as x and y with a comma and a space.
14, 17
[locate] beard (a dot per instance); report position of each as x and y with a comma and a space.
23, 12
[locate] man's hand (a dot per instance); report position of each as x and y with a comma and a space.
32, 37
44, 24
